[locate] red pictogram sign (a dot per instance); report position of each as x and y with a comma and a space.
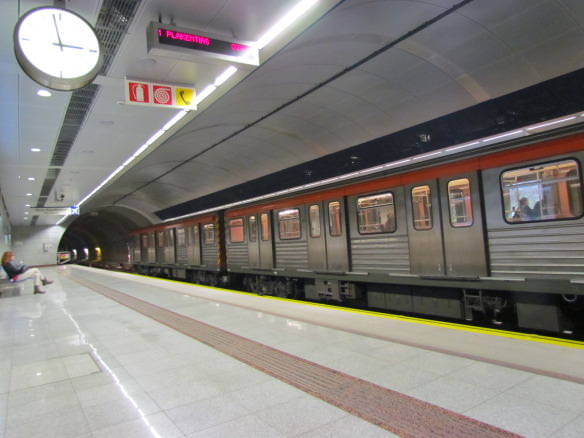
138, 92
162, 95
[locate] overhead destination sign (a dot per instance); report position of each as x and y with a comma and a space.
55, 211
172, 41
159, 95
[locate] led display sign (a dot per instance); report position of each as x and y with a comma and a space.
166, 40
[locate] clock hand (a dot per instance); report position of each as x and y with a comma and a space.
58, 36
69, 46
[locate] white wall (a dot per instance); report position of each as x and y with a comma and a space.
5, 233
37, 245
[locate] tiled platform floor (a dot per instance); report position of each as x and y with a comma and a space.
76, 364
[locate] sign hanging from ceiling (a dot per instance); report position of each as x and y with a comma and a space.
189, 44
159, 95
55, 211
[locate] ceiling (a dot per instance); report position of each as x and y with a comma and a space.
351, 71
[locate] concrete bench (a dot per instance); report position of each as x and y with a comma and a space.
9, 288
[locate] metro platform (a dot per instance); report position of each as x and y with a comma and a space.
109, 354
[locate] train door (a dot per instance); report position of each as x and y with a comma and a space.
316, 238
425, 229
145, 248
169, 247
337, 254
151, 247
266, 244
253, 241
193, 245
464, 242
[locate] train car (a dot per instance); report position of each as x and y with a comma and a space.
192, 250
498, 236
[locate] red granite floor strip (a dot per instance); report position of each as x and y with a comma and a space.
400, 414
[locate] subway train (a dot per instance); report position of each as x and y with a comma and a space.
492, 235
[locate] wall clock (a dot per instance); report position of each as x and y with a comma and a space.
57, 48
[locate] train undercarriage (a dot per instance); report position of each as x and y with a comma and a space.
551, 313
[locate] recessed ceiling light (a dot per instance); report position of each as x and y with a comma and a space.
26, 212
29, 194
35, 150
44, 93
30, 178
27, 205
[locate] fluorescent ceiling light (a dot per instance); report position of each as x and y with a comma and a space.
30, 178
229, 71
35, 150
206, 92
174, 120
44, 93
555, 122
284, 22
29, 194
497, 137
155, 137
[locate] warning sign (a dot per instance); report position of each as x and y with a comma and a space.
159, 95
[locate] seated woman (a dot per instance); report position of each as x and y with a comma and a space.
19, 272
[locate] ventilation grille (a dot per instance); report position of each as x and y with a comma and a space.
112, 24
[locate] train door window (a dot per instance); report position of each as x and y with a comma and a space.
335, 218
314, 219
547, 192
253, 228
422, 207
376, 214
145, 240
160, 239
236, 231
180, 237
265, 223
209, 234
460, 203
289, 224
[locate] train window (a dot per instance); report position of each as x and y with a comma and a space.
209, 234
253, 228
376, 214
145, 240
289, 224
547, 192
314, 220
180, 237
422, 207
460, 203
236, 232
265, 223
335, 218
193, 236
160, 239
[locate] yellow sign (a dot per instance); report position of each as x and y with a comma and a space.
184, 96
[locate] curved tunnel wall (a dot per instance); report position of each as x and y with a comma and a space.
107, 229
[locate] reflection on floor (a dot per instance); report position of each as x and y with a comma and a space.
74, 363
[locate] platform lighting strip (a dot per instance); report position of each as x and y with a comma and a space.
475, 144
301, 7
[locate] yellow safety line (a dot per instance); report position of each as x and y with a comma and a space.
454, 326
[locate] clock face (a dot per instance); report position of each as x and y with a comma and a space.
57, 48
